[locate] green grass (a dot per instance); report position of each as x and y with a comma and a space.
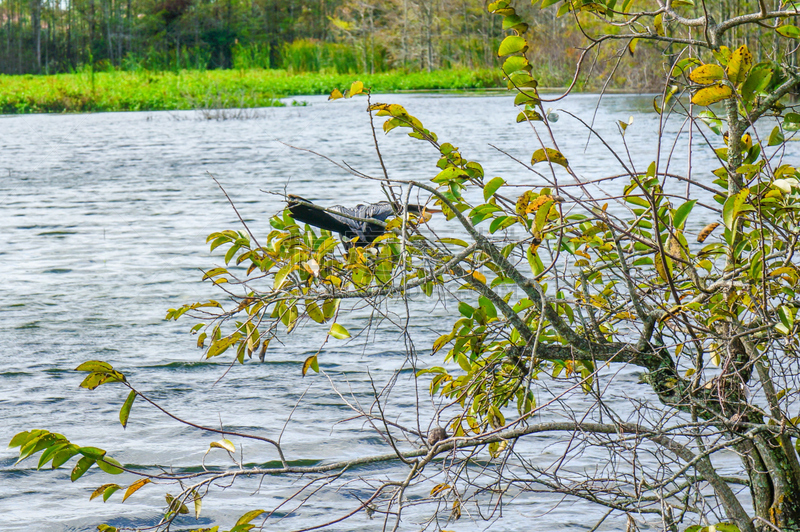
207, 89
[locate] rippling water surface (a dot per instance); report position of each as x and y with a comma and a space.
103, 225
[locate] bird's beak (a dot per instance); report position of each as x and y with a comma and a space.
426, 214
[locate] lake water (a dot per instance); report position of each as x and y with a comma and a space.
103, 225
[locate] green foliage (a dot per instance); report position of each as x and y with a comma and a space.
142, 91
708, 323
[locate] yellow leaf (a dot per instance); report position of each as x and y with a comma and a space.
223, 444
715, 357
479, 276
335, 94
198, 504
739, 64
659, 264
99, 491
713, 94
523, 201
658, 22
135, 486
536, 204
707, 74
554, 156
310, 363
356, 88
706, 231
674, 245
438, 489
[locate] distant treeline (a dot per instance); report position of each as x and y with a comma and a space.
51, 36
335, 36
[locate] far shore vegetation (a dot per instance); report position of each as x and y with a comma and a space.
89, 91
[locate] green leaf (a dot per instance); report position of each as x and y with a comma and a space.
110, 466
491, 187
681, 213
22, 437
99, 491
792, 32
50, 453
512, 45
92, 452
109, 491
125, 411
61, 457
776, 138
339, 332
314, 312
95, 366
791, 122
502, 222
221, 345
465, 309
733, 206
81, 467
758, 81
514, 64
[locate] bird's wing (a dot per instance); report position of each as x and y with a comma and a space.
318, 218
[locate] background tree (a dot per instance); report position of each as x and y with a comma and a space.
688, 280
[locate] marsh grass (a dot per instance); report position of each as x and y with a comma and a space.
206, 89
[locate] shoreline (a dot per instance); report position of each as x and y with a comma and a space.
188, 90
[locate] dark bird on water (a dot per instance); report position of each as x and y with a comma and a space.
305, 211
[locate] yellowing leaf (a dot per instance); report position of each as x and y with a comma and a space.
335, 95
198, 504
101, 490
734, 205
554, 156
707, 231
125, 411
713, 94
310, 363
314, 312
440, 489
135, 486
658, 22
537, 203
339, 332
249, 516
707, 74
511, 45
659, 264
356, 88
739, 64
223, 444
